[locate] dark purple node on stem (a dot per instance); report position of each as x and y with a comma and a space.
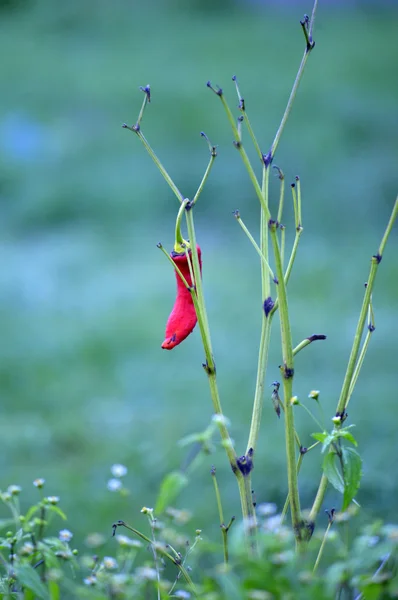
315, 337
268, 305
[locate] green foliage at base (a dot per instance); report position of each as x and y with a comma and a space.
168, 558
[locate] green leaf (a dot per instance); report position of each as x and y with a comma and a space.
332, 472
329, 439
53, 588
55, 509
352, 465
320, 437
170, 488
32, 511
348, 436
29, 578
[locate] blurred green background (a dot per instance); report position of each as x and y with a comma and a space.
85, 293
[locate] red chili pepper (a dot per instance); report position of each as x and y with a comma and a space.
182, 319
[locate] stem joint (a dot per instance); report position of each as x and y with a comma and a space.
245, 463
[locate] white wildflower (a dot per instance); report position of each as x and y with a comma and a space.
265, 509
39, 483
118, 470
114, 485
273, 523
27, 549
109, 562
146, 573
221, 420
182, 594
65, 535
53, 499
125, 541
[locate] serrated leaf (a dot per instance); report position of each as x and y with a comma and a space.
332, 472
352, 465
170, 488
29, 578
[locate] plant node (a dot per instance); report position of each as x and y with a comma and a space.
288, 372
268, 305
307, 34
209, 370
147, 91
267, 159
273, 225
217, 90
245, 463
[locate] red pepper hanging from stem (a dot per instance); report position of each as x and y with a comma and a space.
182, 319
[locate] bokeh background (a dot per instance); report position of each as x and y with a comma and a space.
85, 293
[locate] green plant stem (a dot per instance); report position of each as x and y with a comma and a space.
347, 387
213, 154
307, 410
295, 87
299, 217
322, 547
157, 162
281, 177
249, 514
242, 108
242, 152
299, 463
287, 501
316, 507
179, 240
290, 263
254, 243
260, 382
306, 342
264, 217
152, 522
288, 373
375, 261
244, 480
266, 322
293, 254
361, 358
283, 244
199, 290
161, 551
221, 515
